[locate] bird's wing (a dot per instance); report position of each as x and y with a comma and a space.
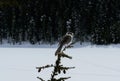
65, 40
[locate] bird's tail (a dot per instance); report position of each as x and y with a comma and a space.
58, 50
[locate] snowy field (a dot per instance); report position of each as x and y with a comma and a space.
92, 63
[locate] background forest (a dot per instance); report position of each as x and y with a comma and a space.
45, 21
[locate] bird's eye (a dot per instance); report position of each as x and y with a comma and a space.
70, 33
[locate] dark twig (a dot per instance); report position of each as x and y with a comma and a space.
62, 79
43, 67
40, 79
62, 54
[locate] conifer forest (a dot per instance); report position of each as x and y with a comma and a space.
45, 21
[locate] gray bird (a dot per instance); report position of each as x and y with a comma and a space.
65, 41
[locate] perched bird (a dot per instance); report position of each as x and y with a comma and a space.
65, 41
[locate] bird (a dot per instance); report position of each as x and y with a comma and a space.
65, 41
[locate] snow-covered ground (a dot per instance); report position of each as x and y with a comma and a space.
92, 63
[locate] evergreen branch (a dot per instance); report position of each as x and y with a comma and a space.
43, 67
66, 68
63, 78
58, 67
62, 54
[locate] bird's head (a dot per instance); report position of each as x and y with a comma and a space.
69, 33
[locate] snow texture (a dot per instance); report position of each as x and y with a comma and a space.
92, 63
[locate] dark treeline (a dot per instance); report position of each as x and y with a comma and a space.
45, 21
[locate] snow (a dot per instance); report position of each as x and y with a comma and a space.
92, 63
